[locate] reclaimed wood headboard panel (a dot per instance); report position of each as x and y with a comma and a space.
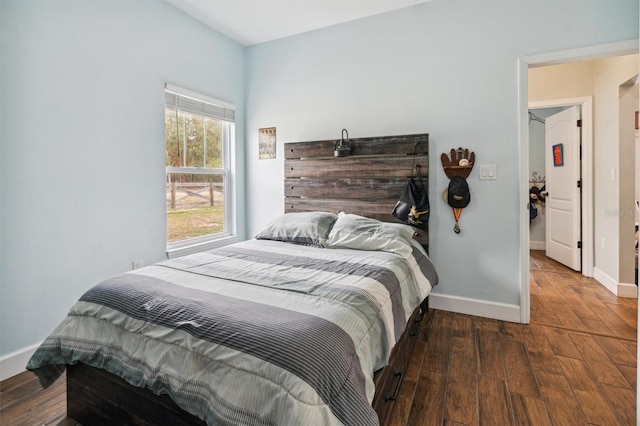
367, 183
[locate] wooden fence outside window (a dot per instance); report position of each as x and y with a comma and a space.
181, 195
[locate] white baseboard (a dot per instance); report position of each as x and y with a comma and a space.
619, 289
480, 308
537, 245
628, 290
15, 362
604, 279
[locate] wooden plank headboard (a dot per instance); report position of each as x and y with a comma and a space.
367, 183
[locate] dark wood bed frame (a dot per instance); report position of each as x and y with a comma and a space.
367, 183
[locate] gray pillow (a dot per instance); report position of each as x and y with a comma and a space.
306, 228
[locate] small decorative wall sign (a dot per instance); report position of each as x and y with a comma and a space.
558, 156
267, 143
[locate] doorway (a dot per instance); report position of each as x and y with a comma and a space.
540, 164
524, 64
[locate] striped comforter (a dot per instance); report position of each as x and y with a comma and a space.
260, 332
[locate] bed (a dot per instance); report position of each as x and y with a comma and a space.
312, 322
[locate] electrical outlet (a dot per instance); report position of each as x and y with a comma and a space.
137, 264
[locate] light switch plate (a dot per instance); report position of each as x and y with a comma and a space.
487, 172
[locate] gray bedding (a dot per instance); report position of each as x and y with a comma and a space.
260, 332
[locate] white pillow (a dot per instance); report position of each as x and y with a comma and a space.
362, 233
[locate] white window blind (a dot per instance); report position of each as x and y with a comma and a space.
179, 99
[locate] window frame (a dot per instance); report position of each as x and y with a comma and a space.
227, 170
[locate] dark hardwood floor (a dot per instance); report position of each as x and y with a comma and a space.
575, 364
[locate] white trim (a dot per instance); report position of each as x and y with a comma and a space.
619, 289
537, 245
586, 113
523, 150
229, 154
588, 188
564, 56
619, 48
607, 282
628, 290
192, 246
15, 362
476, 307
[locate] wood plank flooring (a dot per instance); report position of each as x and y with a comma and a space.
575, 364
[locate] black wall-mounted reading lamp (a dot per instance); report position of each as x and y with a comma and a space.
343, 147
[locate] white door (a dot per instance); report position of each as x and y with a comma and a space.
562, 169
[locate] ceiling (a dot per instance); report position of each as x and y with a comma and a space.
256, 21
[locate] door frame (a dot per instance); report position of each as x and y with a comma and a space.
524, 63
586, 170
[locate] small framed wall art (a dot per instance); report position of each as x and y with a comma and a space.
558, 155
267, 143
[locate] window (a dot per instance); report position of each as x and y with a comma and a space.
199, 135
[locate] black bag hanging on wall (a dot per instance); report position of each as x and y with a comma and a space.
413, 206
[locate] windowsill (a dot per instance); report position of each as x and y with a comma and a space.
185, 248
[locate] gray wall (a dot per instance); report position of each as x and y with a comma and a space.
82, 160
448, 68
